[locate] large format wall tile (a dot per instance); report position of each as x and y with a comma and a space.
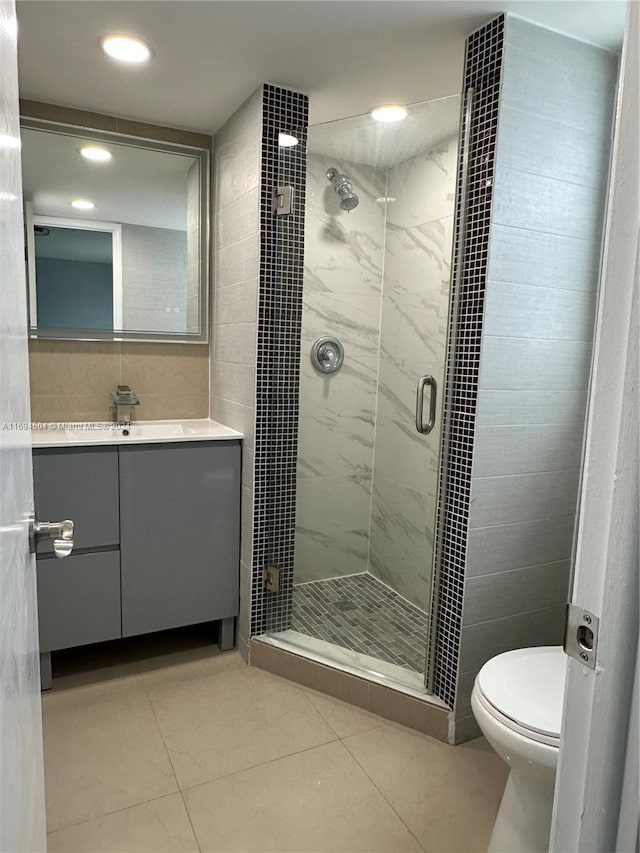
504, 547
524, 363
402, 522
332, 526
481, 642
526, 200
343, 251
401, 453
527, 449
506, 407
567, 263
502, 594
523, 497
349, 393
423, 187
563, 79
522, 311
331, 445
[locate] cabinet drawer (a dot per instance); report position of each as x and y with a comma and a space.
81, 485
78, 599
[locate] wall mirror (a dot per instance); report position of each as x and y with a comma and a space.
117, 235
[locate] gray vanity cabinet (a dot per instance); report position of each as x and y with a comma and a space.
79, 597
179, 519
157, 530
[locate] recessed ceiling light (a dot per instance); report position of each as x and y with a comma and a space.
95, 154
389, 113
126, 48
286, 140
82, 204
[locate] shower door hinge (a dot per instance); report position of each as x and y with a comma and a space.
283, 201
581, 635
271, 577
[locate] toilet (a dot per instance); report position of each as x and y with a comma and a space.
517, 700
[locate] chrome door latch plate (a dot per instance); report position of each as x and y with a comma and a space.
283, 201
581, 635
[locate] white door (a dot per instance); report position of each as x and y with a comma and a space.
597, 799
22, 822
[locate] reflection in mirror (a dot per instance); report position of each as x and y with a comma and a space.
79, 280
116, 233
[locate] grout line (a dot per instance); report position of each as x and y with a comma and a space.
173, 770
383, 795
109, 813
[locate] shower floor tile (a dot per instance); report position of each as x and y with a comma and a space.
362, 614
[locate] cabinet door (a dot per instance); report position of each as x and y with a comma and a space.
179, 523
80, 484
78, 599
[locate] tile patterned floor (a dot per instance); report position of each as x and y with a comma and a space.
360, 613
194, 751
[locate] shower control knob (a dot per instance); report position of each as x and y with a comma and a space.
327, 355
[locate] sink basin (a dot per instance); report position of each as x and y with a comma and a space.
151, 430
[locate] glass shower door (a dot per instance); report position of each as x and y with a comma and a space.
378, 229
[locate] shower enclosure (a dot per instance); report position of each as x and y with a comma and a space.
378, 242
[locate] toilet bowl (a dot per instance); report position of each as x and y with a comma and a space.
517, 700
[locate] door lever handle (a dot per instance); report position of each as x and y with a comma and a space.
60, 531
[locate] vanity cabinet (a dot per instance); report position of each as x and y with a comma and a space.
156, 541
179, 506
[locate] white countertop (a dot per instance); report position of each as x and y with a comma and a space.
141, 432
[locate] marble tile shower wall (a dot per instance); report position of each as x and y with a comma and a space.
413, 332
556, 110
342, 297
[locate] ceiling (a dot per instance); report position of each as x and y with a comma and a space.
348, 55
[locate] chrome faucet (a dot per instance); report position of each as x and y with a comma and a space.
123, 399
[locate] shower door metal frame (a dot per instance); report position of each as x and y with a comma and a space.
458, 254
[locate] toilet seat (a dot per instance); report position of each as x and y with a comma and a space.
524, 690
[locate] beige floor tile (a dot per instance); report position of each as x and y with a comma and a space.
318, 800
103, 752
344, 719
448, 796
235, 720
161, 826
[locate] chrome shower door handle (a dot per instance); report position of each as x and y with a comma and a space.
425, 429
61, 532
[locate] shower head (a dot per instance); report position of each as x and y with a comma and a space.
344, 189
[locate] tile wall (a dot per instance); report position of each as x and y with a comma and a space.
236, 176
72, 380
549, 188
344, 256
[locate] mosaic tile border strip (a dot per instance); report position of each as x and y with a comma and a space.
278, 356
483, 69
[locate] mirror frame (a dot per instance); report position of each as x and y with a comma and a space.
43, 117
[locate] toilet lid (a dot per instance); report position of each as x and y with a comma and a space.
527, 685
